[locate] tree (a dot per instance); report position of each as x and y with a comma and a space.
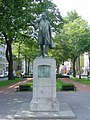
72, 38
15, 17
77, 32
60, 52
27, 50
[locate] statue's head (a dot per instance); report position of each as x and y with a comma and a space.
43, 15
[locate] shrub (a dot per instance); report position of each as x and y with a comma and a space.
58, 75
25, 87
68, 86
28, 76
18, 73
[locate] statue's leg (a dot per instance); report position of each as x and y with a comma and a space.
41, 51
46, 50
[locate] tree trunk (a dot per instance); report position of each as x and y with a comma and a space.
9, 56
28, 66
79, 67
74, 70
89, 62
10, 60
58, 68
18, 58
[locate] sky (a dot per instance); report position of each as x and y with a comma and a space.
82, 7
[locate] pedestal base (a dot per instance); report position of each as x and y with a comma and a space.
24, 113
44, 105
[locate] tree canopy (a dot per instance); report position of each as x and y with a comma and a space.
72, 39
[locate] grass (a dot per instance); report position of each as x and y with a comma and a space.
82, 80
8, 82
59, 84
30, 82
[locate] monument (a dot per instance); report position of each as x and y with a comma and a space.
44, 87
44, 104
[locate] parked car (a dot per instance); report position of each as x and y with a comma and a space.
1, 75
6, 74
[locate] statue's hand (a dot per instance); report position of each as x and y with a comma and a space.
33, 24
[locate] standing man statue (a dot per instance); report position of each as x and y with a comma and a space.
44, 35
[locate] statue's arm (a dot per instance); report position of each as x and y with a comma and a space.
37, 21
33, 24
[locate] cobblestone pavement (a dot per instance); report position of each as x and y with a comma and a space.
10, 102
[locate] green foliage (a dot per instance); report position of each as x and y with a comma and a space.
53, 14
27, 40
72, 39
58, 84
18, 73
25, 87
76, 33
68, 86
15, 17
61, 85
71, 16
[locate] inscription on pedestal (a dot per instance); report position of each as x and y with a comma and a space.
44, 71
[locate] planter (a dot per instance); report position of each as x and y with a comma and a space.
68, 87
25, 88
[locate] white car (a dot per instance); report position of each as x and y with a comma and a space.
1, 75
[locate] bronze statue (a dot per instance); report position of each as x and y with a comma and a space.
44, 35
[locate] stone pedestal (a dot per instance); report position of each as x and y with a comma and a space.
44, 104
24, 113
44, 85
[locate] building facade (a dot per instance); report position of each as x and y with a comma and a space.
2, 59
